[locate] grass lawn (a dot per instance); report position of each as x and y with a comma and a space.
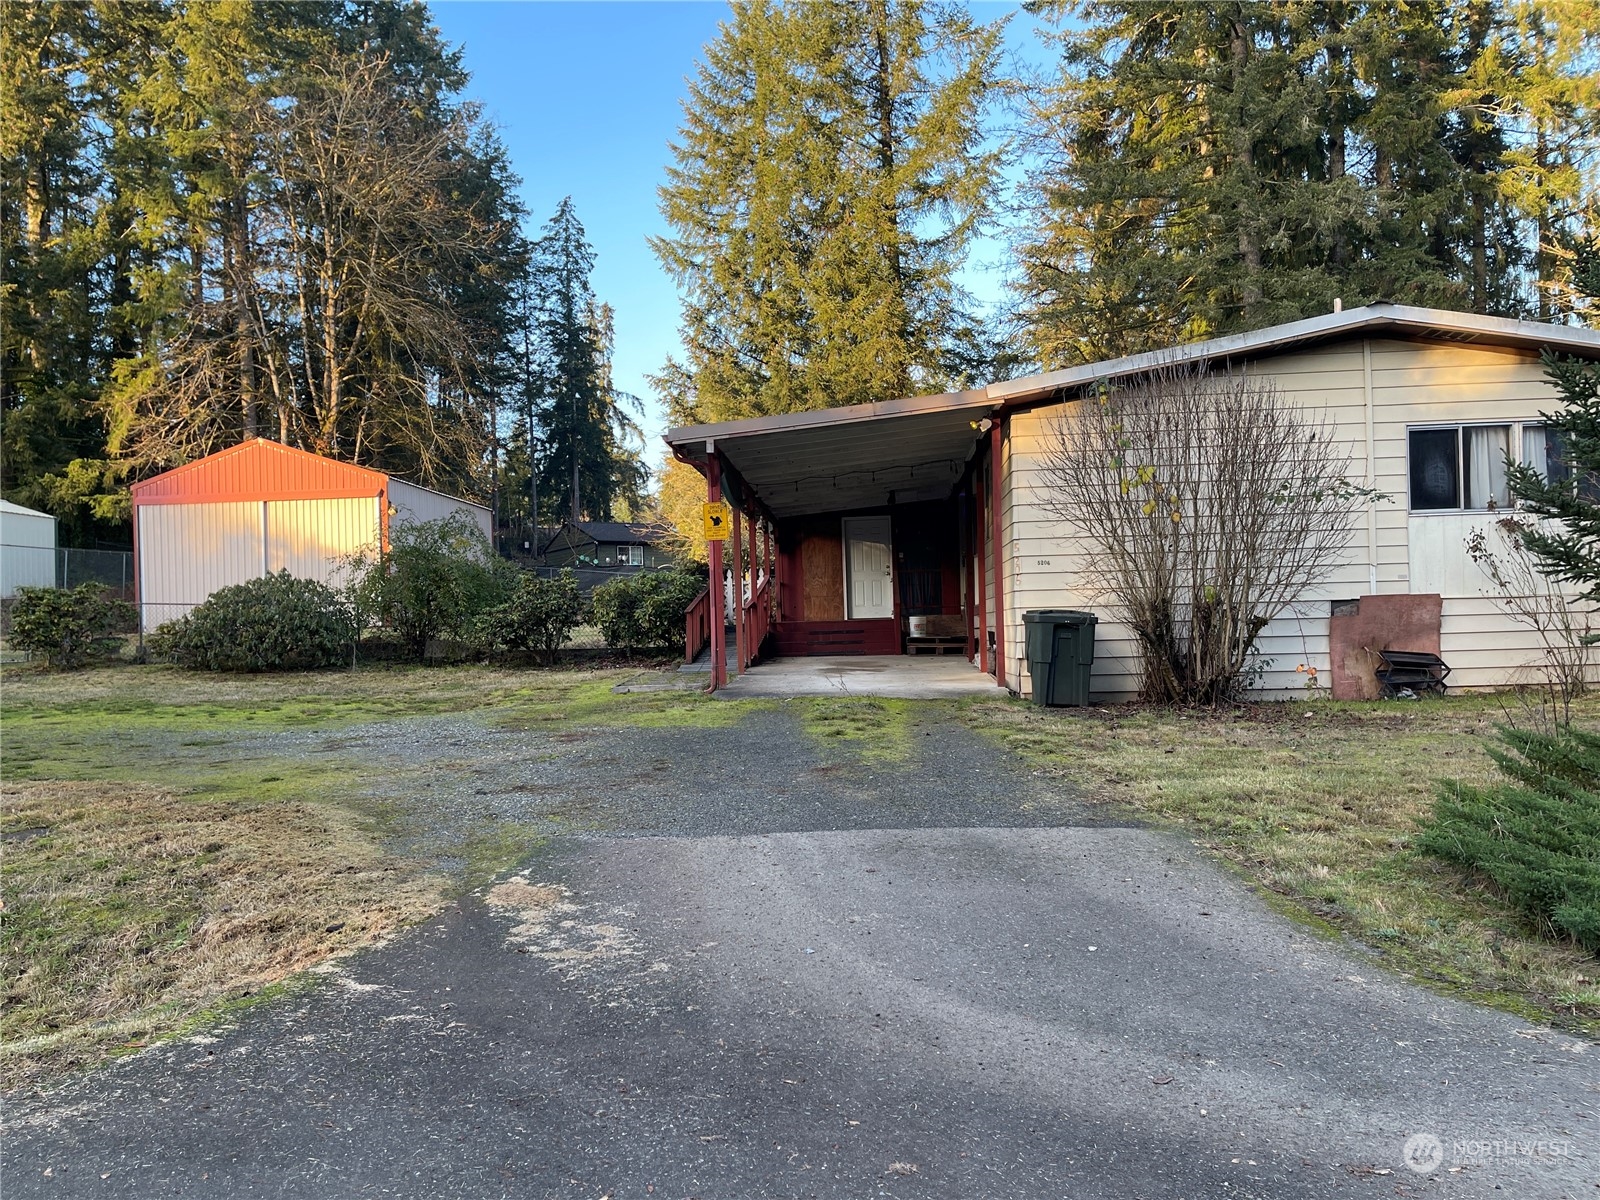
1317, 803
152, 878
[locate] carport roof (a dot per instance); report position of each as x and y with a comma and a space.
865, 456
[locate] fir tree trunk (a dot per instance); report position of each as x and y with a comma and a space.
1244, 156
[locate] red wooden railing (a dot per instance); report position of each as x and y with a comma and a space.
697, 626
757, 622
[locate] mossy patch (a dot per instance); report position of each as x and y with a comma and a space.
592, 702
873, 728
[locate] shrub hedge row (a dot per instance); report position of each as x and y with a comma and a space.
436, 581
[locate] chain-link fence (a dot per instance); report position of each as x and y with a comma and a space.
113, 568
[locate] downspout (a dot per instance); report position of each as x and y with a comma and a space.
1372, 478
996, 449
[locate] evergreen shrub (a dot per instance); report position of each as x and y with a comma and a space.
69, 627
1536, 835
539, 615
276, 623
645, 611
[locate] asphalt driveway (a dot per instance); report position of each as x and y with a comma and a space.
751, 965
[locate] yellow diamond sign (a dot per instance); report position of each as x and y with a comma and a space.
719, 517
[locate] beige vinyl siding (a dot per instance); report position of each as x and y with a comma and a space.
188, 551
311, 538
1443, 384
1486, 649
1409, 383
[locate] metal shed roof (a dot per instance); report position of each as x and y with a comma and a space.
259, 470
8, 509
869, 455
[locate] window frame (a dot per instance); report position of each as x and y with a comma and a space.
1516, 427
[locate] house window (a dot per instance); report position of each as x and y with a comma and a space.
630, 556
1544, 449
1458, 467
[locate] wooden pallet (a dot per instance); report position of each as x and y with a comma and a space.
936, 645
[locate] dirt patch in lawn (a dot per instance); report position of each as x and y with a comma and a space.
1318, 803
131, 911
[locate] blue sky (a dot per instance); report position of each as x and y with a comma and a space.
587, 97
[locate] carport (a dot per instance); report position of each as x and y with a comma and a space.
868, 531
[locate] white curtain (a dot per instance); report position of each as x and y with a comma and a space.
1534, 450
1486, 450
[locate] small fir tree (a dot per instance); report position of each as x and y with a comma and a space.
1569, 550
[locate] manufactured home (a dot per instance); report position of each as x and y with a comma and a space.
852, 527
261, 507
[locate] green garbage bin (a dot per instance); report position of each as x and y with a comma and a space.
1060, 654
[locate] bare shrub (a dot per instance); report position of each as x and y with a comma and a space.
1210, 505
1534, 600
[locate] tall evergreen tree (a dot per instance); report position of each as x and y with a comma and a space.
828, 179
222, 218
1567, 544
585, 466
1208, 168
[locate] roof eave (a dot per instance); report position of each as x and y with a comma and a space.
1328, 326
688, 441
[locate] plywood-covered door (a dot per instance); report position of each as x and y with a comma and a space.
869, 570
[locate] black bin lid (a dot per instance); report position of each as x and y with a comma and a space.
1059, 616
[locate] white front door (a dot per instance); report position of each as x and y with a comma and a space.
868, 573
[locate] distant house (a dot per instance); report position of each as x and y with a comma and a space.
621, 545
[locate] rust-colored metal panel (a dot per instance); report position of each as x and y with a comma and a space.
1374, 623
259, 470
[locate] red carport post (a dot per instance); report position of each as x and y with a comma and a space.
738, 595
995, 450
718, 614
980, 568
964, 524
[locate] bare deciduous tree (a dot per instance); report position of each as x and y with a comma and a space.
1209, 505
1540, 603
350, 302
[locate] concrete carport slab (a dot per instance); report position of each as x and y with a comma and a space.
903, 677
